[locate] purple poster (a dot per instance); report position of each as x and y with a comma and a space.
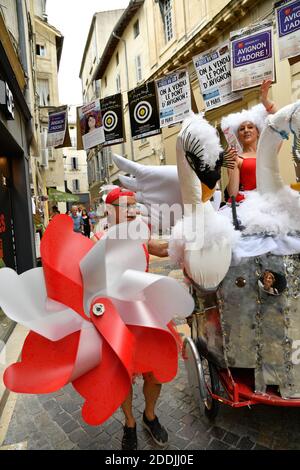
252, 49
288, 28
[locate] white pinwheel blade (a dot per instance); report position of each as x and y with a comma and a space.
127, 165
24, 299
158, 299
120, 249
129, 183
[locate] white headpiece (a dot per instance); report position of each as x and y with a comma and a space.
257, 114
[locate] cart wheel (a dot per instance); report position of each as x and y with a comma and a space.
202, 377
210, 405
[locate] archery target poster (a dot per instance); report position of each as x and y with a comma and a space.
252, 57
112, 117
144, 117
174, 97
288, 28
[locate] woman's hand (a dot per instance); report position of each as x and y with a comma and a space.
264, 90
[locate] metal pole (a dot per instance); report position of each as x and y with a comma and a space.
127, 77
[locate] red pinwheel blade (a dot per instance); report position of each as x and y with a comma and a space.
61, 251
45, 367
156, 351
105, 388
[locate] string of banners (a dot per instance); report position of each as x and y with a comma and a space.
223, 72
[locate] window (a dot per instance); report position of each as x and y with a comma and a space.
117, 58
136, 29
43, 92
138, 68
74, 163
166, 11
118, 83
40, 50
105, 81
75, 185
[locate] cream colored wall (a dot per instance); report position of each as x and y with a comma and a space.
81, 173
8, 8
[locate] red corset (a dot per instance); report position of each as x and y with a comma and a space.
248, 174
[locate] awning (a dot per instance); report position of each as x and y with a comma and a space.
60, 196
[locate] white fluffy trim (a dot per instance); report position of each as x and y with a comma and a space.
257, 114
217, 229
201, 131
272, 213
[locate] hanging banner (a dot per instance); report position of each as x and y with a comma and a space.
91, 125
252, 57
112, 117
144, 118
58, 130
213, 69
288, 28
174, 97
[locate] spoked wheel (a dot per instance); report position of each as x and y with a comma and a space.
210, 405
203, 378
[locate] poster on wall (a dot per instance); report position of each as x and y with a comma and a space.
112, 117
143, 110
252, 56
91, 125
288, 28
213, 69
58, 130
174, 98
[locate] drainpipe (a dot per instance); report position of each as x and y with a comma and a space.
127, 77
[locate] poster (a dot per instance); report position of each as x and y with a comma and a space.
112, 117
288, 28
252, 56
91, 125
143, 110
174, 97
58, 130
213, 69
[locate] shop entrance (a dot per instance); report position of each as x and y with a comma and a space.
7, 248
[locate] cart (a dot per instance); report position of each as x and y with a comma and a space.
244, 347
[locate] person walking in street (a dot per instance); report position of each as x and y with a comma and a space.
123, 205
77, 220
86, 223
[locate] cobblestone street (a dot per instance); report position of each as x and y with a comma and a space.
54, 421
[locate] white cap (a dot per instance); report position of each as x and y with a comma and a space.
257, 114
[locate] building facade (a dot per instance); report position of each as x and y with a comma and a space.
75, 165
155, 37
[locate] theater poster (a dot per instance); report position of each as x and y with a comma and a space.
112, 117
58, 130
90, 125
288, 28
252, 56
174, 98
143, 110
213, 69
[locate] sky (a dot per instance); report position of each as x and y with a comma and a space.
73, 19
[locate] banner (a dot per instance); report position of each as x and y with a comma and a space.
112, 117
144, 118
288, 28
58, 130
91, 125
252, 56
214, 74
174, 97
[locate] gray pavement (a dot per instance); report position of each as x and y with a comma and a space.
54, 421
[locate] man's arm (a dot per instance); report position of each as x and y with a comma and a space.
158, 248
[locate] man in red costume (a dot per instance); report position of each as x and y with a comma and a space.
121, 205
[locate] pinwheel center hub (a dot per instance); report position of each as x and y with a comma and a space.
98, 309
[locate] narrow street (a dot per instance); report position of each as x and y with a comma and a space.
54, 421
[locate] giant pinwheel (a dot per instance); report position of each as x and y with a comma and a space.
95, 316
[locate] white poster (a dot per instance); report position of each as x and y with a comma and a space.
174, 98
214, 74
288, 28
252, 56
91, 125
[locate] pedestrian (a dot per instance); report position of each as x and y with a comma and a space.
54, 212
123, 204
77, 221
92, 216
86, 223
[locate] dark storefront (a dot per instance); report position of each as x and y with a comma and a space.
16, 224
